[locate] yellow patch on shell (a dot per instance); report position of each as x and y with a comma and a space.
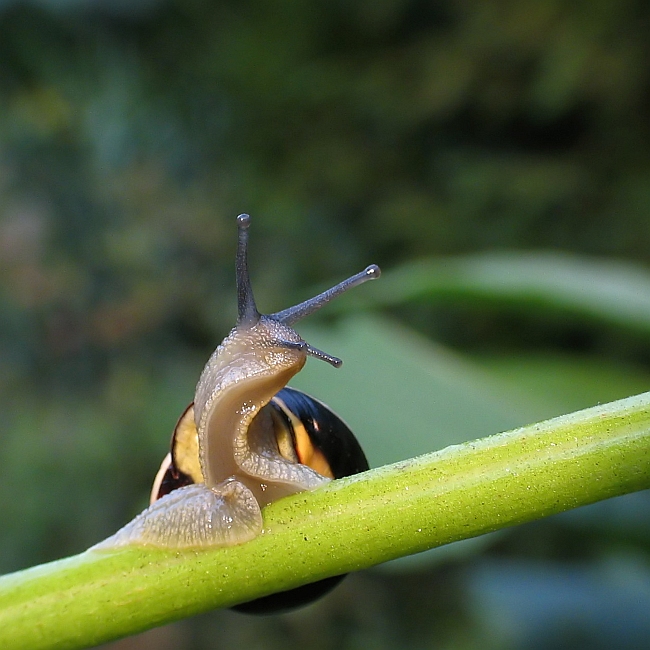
185, 446
303, 447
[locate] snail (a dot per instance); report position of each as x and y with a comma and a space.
247, 439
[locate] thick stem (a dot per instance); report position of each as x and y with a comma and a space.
459, 492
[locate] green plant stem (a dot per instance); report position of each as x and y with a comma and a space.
351, 524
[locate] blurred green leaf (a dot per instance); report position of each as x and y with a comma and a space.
403, 395
616, 292
464, 395
566, 382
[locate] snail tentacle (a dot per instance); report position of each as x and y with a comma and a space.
298, 312
247, 309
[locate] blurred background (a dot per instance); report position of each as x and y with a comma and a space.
492, 157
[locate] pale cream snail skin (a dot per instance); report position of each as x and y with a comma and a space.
256, 441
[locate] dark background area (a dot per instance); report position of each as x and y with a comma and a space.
132, 134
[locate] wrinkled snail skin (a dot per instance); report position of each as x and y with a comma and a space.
247, 440
236, 436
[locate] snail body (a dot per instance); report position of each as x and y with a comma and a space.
247, 440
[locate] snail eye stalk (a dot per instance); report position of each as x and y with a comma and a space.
308, 307
246, 307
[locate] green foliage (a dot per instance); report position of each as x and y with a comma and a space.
492, 158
